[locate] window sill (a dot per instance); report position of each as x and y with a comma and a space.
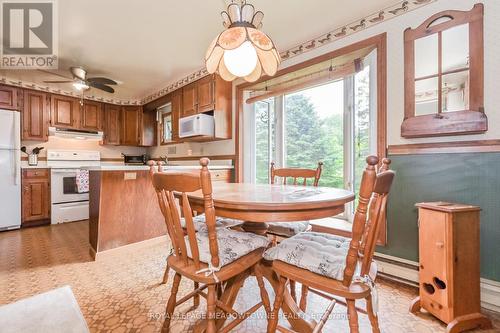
334, 226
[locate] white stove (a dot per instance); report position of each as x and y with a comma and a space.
68, 204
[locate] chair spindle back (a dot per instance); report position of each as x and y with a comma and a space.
369, 213
168, 185
296, 174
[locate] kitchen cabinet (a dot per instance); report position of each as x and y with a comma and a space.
9, 97
35, 197
211, 95
189, 100
131, 125
112, 114
35, 115
176, 113
91, 116
206, 94
148, 130
65, 111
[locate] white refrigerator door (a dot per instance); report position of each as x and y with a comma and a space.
10, 190
10, 130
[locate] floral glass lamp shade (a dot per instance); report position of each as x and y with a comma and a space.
242, 50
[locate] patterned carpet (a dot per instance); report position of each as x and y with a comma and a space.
121, 293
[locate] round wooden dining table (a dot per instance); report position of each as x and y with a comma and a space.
257, 204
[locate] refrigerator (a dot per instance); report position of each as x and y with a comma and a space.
10, 170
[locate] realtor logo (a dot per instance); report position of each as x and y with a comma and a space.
29, 39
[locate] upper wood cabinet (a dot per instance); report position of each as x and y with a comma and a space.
9, 97
35, 116
91, 116
148, 130
112, 115
176, 113
189, 100
444, 75
206, 94
212, 95
65, 111
131, 124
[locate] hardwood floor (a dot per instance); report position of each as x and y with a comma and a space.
121, 292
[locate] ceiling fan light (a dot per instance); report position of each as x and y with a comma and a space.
80, 85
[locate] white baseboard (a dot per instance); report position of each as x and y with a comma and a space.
406, 271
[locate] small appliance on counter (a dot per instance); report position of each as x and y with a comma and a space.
135, 159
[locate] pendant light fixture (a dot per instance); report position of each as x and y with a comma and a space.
242, 50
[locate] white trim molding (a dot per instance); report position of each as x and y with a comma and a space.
406, 271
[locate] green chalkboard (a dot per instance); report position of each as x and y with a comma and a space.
471, 178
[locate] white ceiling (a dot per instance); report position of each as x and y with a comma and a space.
148, 44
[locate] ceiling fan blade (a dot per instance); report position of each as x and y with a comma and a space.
102, 87
52, 73
102, 80
55, 81
78, 72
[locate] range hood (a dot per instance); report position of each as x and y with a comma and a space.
75, 134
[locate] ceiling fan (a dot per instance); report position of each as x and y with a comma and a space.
81, 82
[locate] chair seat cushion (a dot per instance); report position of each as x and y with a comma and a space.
220, 222
287, 229
320, 253
232, 245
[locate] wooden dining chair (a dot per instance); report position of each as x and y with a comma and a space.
335, 267
295, 176
198, 220
216, 259
281, 230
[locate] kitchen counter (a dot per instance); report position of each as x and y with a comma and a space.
41, 165
124, 206
121, 167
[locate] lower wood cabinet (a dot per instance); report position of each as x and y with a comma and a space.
35, 197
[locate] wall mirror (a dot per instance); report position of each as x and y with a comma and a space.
444, 75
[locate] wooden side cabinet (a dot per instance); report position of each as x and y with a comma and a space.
449, 265
35, 197
35, 116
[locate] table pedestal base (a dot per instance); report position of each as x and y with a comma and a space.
256, 228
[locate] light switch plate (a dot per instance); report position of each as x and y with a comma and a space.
130, 176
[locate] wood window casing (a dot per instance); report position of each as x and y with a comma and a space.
470, 121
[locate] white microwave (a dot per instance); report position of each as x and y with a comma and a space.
197, 125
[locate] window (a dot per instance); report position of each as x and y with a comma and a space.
444, 75
165, 113
333, 122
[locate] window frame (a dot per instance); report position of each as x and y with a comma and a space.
379, 42
472, 121
162, 116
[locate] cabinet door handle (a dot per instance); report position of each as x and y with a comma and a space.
440, 245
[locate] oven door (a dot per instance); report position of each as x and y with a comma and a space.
63, 187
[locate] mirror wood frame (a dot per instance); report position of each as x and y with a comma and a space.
472, 121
